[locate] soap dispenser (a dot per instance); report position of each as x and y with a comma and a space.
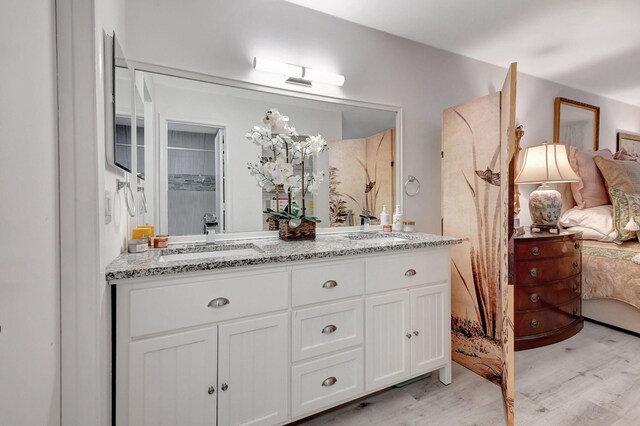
397, 219
384, 216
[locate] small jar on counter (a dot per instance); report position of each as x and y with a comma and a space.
409, 225
161, 241
138, 246
387, 228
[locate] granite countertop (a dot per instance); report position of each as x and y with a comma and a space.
264, 251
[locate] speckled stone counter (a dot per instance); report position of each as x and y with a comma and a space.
236, 253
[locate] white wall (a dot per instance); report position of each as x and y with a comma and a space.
29, 238
221, 38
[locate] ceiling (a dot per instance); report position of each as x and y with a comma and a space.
593, 45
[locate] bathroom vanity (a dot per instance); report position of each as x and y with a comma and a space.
264, 332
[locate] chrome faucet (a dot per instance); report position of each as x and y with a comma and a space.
210, 222
365, 219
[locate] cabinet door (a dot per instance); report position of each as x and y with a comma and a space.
387, 338
253, 373
430, 326
172, 379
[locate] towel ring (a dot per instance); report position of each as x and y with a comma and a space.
128, 196
412, 186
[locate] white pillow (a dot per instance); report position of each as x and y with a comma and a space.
595, 223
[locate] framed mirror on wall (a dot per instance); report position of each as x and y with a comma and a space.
195, 153
576, 124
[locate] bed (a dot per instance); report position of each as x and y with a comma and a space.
606, 203
611, 283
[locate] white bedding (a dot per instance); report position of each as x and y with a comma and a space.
595, 223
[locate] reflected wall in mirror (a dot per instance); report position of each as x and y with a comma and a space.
576, 124
628, 146
196, 155
124, 94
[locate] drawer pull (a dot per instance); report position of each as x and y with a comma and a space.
408, 335
224, 387
575, 264
534, 297
535, 251
574, 288
329, 329
330, 284
533, 272
415, 333
330, 381
577, 246
575, 311
534, 323
211, 390
410, 273
219, 302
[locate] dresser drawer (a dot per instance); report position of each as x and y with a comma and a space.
543, 270
322, 383
548, 294
400, 271
323, 283
547, 249
159, 309
547, 320
323, 329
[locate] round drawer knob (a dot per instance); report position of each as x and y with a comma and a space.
535, 251
574, 288
534, 297
415, 333
224, 387
534, 323
533, 272
577, 246
410, 273
211, 390
575, 311
575, 264
330, 381
408, 335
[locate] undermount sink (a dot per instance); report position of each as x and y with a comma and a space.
376, 238
208, 252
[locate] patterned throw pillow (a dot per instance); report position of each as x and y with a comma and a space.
626, 213
615, 175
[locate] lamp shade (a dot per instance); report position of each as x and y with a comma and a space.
546, 163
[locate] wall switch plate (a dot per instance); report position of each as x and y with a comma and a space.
107, 207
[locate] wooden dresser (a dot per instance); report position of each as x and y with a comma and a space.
548, 276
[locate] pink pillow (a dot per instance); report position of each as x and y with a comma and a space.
590, 191
624, 155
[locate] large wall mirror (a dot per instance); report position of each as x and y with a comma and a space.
576, 124
194, 153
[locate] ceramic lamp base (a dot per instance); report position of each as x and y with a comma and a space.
545, 206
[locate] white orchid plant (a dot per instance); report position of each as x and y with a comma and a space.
276, 171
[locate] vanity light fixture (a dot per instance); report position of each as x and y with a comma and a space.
296, 74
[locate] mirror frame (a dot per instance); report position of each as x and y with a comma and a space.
556, 118
399, 160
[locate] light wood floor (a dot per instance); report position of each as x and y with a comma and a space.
468, 400
592, 378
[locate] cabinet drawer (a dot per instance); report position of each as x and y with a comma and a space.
394, 272
546, 320
539, 271
323, 329
546, 249
177, 306
327, 282
322, 383
547, 295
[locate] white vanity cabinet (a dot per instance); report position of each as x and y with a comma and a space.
268, 345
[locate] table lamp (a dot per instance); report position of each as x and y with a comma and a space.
545, 164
